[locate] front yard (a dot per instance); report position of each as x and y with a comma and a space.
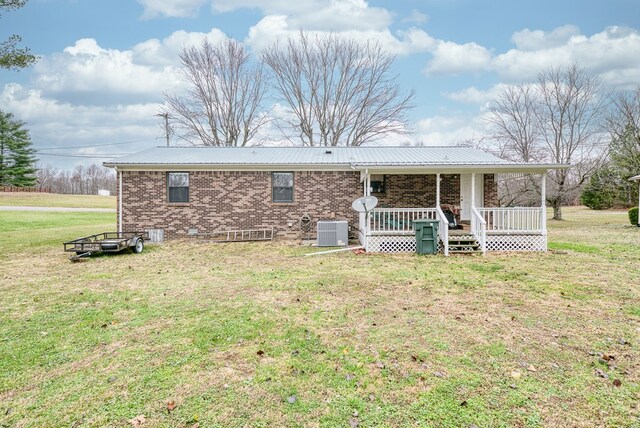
255, 334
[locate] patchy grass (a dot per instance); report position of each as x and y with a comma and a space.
39, 232
256, 335
56, 200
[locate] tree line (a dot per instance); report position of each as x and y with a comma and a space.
82, 180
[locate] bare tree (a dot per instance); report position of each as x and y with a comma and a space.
556, 120
223, 104
339, 91
569, 117
513, 117
81, 180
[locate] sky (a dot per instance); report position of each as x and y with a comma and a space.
104, 65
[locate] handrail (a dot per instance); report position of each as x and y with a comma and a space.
479, 229
397, 221
443, 230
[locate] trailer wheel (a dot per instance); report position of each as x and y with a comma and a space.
139, 246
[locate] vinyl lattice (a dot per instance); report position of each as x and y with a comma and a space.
393, 244
517, 243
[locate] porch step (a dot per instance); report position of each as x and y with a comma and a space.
463, 245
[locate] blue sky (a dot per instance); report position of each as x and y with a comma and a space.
104, 65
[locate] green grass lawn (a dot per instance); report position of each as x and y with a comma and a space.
256, 334
56, 200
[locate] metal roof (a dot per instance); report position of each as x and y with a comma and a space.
310, 157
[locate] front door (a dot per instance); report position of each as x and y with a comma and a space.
465, 195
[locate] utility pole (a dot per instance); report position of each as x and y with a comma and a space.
166, 124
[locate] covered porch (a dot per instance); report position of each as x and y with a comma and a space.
470, 194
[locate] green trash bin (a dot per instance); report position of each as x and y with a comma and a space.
426, 236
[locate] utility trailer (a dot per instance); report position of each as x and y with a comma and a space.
106, 242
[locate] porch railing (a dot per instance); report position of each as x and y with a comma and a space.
443, 230
479, 228
513, 219
397, 221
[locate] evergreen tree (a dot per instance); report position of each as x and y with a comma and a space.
17, 157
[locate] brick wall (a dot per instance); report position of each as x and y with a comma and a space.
221, 200
490, 191
406, 191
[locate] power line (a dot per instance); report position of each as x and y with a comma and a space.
98, 145
96, 156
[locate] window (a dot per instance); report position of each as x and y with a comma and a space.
282, 183
178, 184
378, 183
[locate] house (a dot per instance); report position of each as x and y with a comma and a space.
186, 190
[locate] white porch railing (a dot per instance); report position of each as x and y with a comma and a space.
443, 230
397, 221
496, 229
479, 229
513, 220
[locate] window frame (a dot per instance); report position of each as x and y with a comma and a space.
384, 184
169, 187
274, 187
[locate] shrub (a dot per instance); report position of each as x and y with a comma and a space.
633, 215
598, 194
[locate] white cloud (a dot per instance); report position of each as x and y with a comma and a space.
614, 54
61, 124
166, 51
453, 58
473, 95
273, 28
416, 17
527, 40
170, 8
449, 130
89, 71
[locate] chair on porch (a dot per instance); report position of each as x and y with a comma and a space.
450, 212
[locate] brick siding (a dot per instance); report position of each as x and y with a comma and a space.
406, 191
222, 200
490, 191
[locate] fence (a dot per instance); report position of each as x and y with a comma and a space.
23, 189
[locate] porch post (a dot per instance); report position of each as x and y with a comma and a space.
543, 203
437, 189
473, 190
367, 183
366, 217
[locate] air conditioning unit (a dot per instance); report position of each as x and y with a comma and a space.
333, 233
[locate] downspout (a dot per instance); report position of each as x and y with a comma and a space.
119, 199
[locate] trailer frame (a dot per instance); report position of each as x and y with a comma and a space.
106, 242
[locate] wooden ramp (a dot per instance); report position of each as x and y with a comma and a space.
240, 235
